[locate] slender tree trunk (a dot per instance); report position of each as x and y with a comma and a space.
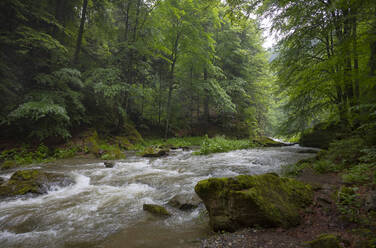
59, 15
137, 20
174, 56
372, 60
347, 63
198, 105
356, 61
192, 100
143, 98
126, 31
80, 32
170, 88
160, 98
206, 101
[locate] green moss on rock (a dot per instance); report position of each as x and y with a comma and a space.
268, 142
8, 164
264, 200
156, 210
36, 182
325, 241
154, 152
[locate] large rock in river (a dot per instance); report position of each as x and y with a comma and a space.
263, 200
33, 182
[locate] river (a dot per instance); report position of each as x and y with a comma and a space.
103, 208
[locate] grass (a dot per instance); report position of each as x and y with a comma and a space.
171, 142
42, 154
221, 144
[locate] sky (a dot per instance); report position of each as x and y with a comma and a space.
269, 37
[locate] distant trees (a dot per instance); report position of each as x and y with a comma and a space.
325, 64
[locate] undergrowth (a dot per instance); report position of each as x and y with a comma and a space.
221, 144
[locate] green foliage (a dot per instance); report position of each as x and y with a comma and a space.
111, 152
359, 174
293, 170
221, 144
49, 120
369, 155
348, 203
347, 151
325, 166
182, 66
68, 152
183, 142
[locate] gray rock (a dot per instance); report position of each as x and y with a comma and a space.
185, 201
109, 164
33, 182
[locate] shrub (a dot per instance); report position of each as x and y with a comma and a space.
221, 144
346, 151
358, 174
293, 170
325, 166
349, 203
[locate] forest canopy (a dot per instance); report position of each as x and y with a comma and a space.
185, 67
167, 66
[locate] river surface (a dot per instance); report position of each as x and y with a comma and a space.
103, 208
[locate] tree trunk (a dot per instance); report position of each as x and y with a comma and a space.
356, 61
206, 101
160, 98
59, 15
170, 88
80, 32
126, 31
192, 100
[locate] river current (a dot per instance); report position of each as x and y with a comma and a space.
103, 208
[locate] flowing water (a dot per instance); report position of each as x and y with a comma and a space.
104, 207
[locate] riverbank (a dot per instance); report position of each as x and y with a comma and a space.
344, 180
91, 144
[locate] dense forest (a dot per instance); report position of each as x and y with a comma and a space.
168, 67
178, 68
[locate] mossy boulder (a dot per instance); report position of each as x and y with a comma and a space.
8, 164
321, 135
156, 210
325, 241
154, 152
268, 142
245, 201
32, 182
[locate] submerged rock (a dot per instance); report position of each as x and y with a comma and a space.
109, 164
325, 241
244, 201
33, 182
156, 210
185, 201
